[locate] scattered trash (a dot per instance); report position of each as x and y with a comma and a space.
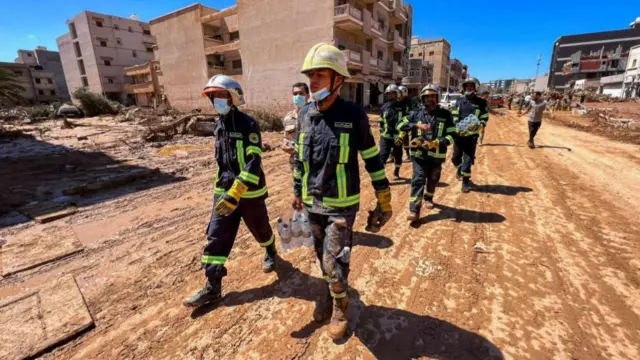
481, 248
80, 138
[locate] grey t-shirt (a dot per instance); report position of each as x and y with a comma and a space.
536, 111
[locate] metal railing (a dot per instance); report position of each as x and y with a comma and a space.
353, 56
373, 62
348, 9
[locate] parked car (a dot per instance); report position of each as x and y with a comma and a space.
496, 101
448, 100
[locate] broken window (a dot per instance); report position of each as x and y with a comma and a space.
107, 63
53, 92
236, 64
41, 92
85, 83
134, 54
81, 67
50, 81
118, 41
234, 36
37, 80
633, 64
146, 32
29, 55
98, 23
72, 30
380, 55
103, 43
130, 29
149, 49
431, 53
109, 80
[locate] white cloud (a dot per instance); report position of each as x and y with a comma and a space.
31, 36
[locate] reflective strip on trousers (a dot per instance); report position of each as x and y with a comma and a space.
370, 152
378, 175
249, 177
269, 242
338, 296
213, 260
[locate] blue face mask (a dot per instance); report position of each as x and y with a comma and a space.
320, 94
299, 101
222, 106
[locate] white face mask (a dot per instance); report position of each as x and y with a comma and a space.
222, 106
320, 94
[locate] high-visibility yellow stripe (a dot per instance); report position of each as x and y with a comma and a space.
465, 173
370, 152
341, 181
213, 260
305, 178
344, 148
452, 129
268, 242
341, 203
440, 129
437, 155
419, 130
378, 175
455, 111
428, 193
297, 174
249, 177
484, 116
300, 146
338, 296
450, 138
477, 112
240, 153
255, 194
254, 150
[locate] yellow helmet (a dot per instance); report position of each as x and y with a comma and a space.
428, 90
325, 56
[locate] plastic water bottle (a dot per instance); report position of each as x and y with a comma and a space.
285, 236
306, 229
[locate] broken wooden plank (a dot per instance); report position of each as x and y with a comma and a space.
56, 215
37, 246
41, 321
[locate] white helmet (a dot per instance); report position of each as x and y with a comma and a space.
393, 88
403, 90
527, 98
225, 83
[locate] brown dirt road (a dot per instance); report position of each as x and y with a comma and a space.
542, 261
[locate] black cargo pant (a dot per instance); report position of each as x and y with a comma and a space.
222, 231
533, 130
332, 237
464, 155
387, 148
426, 172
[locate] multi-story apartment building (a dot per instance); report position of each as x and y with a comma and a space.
591, 56
263, 44
97, 49
420, 73
144, 84
49, 61
503, 85
519, 86
457, 74
39, 84
435, 51
632, 74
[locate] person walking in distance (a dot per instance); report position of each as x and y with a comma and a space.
406, 106
240, 188
331, 131
536, 109
432, 131
300, 93
464, 150
390, 143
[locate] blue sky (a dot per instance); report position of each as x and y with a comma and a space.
497, 39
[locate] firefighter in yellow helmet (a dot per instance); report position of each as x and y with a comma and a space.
330, 133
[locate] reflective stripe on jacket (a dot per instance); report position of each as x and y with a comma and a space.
442, 129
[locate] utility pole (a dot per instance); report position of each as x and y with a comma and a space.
538, 66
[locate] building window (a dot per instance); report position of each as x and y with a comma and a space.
103, 43
72, 29
149, 49
85, 83
115, 26
53, 93
118, 41
37, 80
81, 67
134, 54
633, 64
41, 92
107, 63
19, 73
29, 55
234, 36
98, 23
431, 53
411, 55
236, 64
130, 29
109, 80
380, 55
50, 81
146, 32
76, 47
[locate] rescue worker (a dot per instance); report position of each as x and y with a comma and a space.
464, 151
331, 131
300, 92
407, 107
432, 130
240, 188
390, 143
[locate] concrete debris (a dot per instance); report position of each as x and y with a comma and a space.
71, 111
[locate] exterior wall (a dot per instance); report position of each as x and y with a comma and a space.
24, 79
36, 82
541, 83
182, 59
300, 26
631, 87
440, 58
565, 46
26, 57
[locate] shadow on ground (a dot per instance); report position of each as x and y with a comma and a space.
459, 215
494, 144
387, 332
553, 147
39, 178
501, 189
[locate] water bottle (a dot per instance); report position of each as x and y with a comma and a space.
306, 229
296, 228
285, 235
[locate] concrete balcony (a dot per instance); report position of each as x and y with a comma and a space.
348, 17
386, 5
398, 71
385, 67
398, 41
373, 63
354, 58
139, 88
210, 40
223, 48
367, 20
376, 29
399, 14
215, 70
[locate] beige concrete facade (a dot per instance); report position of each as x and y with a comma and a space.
457, 74
263, 44
40, 85
49, 61
142, 83
435, 51
420, 73
97, 49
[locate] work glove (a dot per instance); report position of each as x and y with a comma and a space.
379, 216
473, 127
230, 200
433, 144
415, 143
399, 139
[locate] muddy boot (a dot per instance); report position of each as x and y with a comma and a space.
458, 175
324, 308
429, 203
269, 263
339, 323
413, 216
531, 144
211, 292
466, 185
396, 174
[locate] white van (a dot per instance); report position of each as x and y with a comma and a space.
448, 100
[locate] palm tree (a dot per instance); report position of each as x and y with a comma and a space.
10, 89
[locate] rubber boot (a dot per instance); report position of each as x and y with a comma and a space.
413, 216
339, 322
396, 174
429, 203
269, 263
211, 292
324, 307
466, 185
458, 175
